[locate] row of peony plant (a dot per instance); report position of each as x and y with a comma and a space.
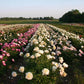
42, 56
68, 34
10, 32
16, 45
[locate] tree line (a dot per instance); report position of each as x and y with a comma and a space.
73, 16
22, 18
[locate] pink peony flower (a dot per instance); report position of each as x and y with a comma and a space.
3, 54
1, 44
7, 54
13, 60
13, 49
80, 54
65, 48
3, 62
81, 51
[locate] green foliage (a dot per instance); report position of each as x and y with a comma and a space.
22, 18
72, 16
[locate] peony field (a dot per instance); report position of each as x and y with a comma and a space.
40, 54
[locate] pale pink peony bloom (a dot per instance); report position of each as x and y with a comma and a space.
13, 60
80, 54
81, 51
1, 57
7, 54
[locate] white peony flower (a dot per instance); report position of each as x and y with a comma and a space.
51, 42
60, 65
53, 57
32, 56
36, 42
61, 68
37, 55
54, 47
21, 69
61, 59
21, 53
53, 53
54, 68
62, 73
40, 51
45, 71
49, 46
27, 55
82, 46
50, 49
56, 64
65, 65
36, 49
40, 45
29, 76
53, 62
14, 74
46, 51
49, 56
18, 34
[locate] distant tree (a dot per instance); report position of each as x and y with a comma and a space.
41, 18
72, 16
82, 17
22, 18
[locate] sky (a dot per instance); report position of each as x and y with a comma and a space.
38, 8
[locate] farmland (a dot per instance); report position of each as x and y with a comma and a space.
41, 53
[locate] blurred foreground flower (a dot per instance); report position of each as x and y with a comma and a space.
29, 76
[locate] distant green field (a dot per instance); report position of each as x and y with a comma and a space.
27, 21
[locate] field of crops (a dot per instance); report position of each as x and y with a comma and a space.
40, 54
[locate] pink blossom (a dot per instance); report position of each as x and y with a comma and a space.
80, 54
65, 47
16, 49
1, 57
81, 51
4, 51
1, 44
3, 54
13, 49
13, 60
5, 59
1, 50
19, 50
58, 53
7, 54
17, 43
4, 63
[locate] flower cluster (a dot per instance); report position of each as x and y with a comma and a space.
67, 34
16, 45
